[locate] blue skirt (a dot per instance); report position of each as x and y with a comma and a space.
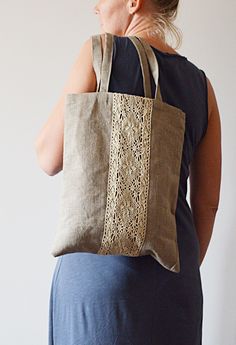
120, 300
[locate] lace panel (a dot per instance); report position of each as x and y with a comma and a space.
128, 179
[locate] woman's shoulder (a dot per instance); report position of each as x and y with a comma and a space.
122, 43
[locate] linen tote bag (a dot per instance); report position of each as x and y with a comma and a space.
121, 167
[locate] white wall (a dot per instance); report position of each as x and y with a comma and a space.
39, 42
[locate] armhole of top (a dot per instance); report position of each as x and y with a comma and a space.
206, 103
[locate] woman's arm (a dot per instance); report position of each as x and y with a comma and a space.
49, 142
205, 176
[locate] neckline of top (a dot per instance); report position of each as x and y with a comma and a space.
166, 53
158, 50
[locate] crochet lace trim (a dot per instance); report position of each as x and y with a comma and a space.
128, 179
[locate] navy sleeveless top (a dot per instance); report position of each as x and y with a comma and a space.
121, 300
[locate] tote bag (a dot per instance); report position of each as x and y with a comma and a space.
121, 167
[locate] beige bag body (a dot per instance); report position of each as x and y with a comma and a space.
121, 167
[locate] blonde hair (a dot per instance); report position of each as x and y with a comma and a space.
165, 12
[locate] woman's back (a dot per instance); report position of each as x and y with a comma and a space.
97, 299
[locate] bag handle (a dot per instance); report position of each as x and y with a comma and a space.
102, 65
153, 65
97, 58
144, 66
107, 64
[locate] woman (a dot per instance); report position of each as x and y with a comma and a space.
120, 300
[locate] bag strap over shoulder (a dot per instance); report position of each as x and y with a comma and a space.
106, 62
153, 65
97, 58
102, 63
102, 60
144, 66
